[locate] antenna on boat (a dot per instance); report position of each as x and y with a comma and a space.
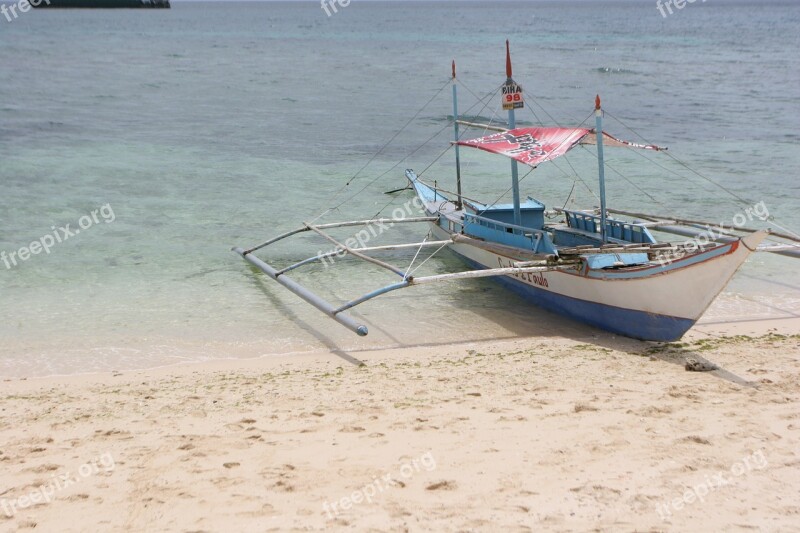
598, 114
512, 99
459, 203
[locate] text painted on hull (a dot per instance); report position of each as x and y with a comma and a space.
536, 278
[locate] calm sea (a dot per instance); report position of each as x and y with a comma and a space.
191, 130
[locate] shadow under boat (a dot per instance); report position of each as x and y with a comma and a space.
522, 320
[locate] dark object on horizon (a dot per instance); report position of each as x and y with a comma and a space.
104, 4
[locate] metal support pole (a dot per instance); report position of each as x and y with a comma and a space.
598, 113
305, 294
459, 203
512, 123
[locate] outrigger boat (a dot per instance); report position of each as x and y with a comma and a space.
589, 266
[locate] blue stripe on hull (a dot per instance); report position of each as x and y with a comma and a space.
635, 324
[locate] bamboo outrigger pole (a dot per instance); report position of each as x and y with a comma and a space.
305, 294
315, 300
410, 281
304, 227
480, 126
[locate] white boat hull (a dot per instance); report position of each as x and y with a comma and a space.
651, 302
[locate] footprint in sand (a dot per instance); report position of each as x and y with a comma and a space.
47, 467
122, 434
696, 439
283, 486
442, 485
352, 429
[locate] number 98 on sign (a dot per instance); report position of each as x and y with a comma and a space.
512, 96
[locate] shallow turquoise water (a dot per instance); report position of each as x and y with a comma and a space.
213, 124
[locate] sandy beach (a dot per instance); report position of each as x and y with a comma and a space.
441, 178
532, 434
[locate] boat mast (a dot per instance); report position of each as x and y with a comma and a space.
512, 123
598, 117
459, 203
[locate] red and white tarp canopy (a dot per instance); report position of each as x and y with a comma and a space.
532, 146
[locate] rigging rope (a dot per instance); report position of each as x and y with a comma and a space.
488, 98
621, 175
574, 183
376, 154
408, 270
693, 171
565, 157
426, 259
449, 124
485, 101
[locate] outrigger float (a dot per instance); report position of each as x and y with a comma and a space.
589, 266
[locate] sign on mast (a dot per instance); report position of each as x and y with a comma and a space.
512, 95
